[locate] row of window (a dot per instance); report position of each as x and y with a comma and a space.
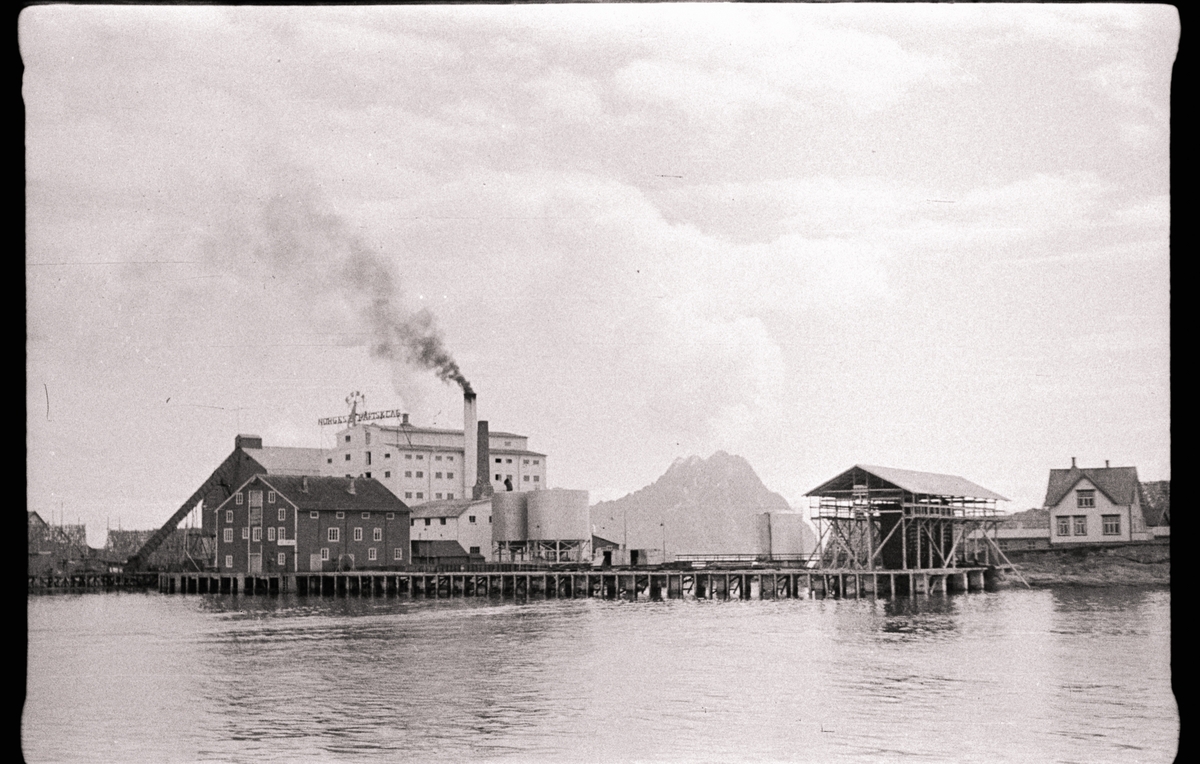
1085, 498
372, 554
536, 478
420, 474
442, 520
280, 559
313, 514
1068, 525
409, 457
256, 498
421, 495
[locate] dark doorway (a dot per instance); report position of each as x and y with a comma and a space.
633, 557
608, 558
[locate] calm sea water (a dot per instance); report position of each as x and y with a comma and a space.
1066, 675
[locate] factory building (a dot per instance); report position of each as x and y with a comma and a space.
466, 523
423, 464
297, 523
544, 526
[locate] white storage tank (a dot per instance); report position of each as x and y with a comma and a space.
558, 514
509, 516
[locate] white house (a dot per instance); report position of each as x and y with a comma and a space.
1095, 505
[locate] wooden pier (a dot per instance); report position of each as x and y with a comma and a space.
627, 584
93, 581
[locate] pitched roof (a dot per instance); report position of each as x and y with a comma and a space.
603, 543
325, 493
1119, 484
439, 548
447, 507
282, 460
930, 483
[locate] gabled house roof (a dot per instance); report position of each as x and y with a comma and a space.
448, 507
930, 483
1119, 484
329, 493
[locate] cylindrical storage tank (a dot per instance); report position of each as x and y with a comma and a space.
558, 514
509, 516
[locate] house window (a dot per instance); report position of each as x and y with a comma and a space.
256, 534
387, 473
420, 457
281, 559
489, 519
498, 461
438, 458
347, 438
358, 534
412, 521
329, 460
420, 474
449, 458
347, 457
229, 515
256, 515
536, 478
508, 477
524, 461
341, 515
270, 497
324, 553
449, 496
397, 554
334, 534
474, 550
314, 514
408, 473
408, 456
437, 496
367, 475
387, 455
508, 461
366, 515
1112, 524
391, 515
428, 521
239, 499
471, 518
228, 535
371, 553
437, 475
408, 494
535, 461
497, 478
449, 475
377, 534
229, 561
1079, 523
420, 494
442, 520
282, 513
256, 499
245, 534
271, 534
368, 457
367, 435
1085, 498
282, 534
526, 478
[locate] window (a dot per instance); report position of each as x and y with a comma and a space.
371, 553
449, 458
498, 461
474, 550
271, 534
366, 515
438, 458
256, 534
229, 561
387, 455
228, 536
408, 473
508, 477
526, 478
420, 457
408, 456
412, 521
397, 554
358, 534
281, 559
471, 518
497, 478
508, 461
335, 534
437, 475
377, 534
341, 515
391, 515
245, 534
420, 474
387, 473
239, 499
329, 460
442, 520
408, 494
347, 438
347, 457
489, 519
449, 496
367, 435
535, 461
1079, 523
367, 475
428, 521
314, 514
282, 534
256, 499
524, 461
1085, 498
282, 513
437, 496
324, 553
1112, 524
368, 457
256, 515
420, 494
229, 515
449, 475
536, 478
270, 497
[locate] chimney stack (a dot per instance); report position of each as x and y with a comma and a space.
1106, 464
483, 487
1072, 462
350, 490
404, 420
470, 464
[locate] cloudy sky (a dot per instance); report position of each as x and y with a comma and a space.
928, 237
